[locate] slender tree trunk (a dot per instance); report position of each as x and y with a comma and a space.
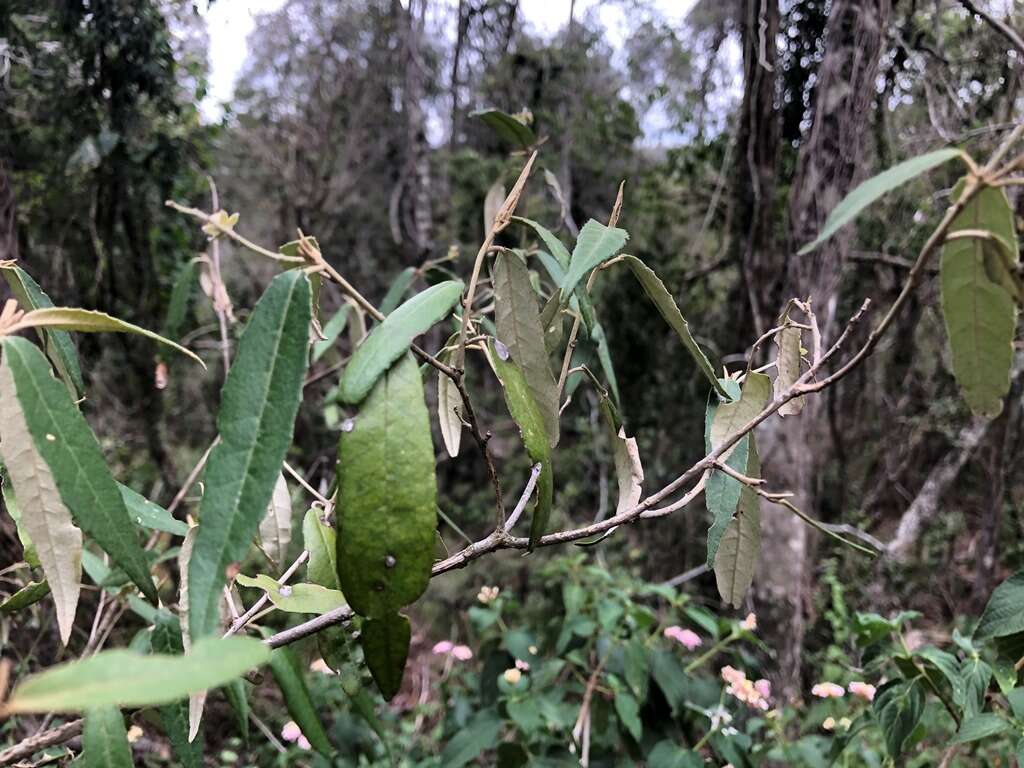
8, 218
798, 451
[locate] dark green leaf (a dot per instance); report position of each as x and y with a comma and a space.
740, 545
397, 290
667, 755
898, 707
507, 127
554, 245
981, 727
629, 714
668, 674
975, 675
181, 294
594, 246
149, 515
104, 739
385, 644
319, 540
28, 595
166, 639
1004, 613
467, 744
947, 664
259, 403
288, 673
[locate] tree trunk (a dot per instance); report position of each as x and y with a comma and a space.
830, 162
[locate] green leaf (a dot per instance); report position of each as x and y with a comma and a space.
28, 595
238, 698
527, 416
331, 331
90, 321
629, 714
867, 192
295, 598
605, 358
319, 540
669, 675
166, 639
636, 667
66, 445
554, 245
975, 675
479, 734
667, 755
898, 707
391, 339
1004, 612
364, 706
518, 322
128, 679
594, 246
507, 127
387, 496
291, 248
149, 515
980, 314
980, 727
58, 344
276, 525
104, 739
669, 310
181, 294
740, 546
947, 664
397, 290
385, 642
288, 673
1016, 700
259, 403
11, 503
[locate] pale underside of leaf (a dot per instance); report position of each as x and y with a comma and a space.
276, 526
788, 342
196, 701
319, 540
47, 521
449, 406
740, 547
492, 204
628, 470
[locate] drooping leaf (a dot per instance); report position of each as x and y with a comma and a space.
628, 710
868, 191
1004, 612
518, 322
90, 321
788, 341
507, 127
166, 639
28, 595
105, 740
947, 664
238, 698
898, 707
493, 201
288, 673
975, 676
319, 540
181, 294
449, 404
64, 443
385, 642
276, 525
983, 726
604, 357
149, 515
527, 416
595, 245
387, 496
722, 496
629, 471
128, 679
669, 310
397, 290
979, 312
259, 403
295, 598
332, 330
391, 338
740, 546
58, 344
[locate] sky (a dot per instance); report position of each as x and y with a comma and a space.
229, 23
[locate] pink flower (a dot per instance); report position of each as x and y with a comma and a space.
749, 623
865, 690
303, 742
732, 676
754, 695
291, 731
462, 652
764, 688
828, 691
444, 647
522, 666
448, 648
687, 637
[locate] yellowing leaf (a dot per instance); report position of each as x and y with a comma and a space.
295, 598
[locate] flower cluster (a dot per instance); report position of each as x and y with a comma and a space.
828, 691
687, 637
488, 595
447, 648
292, 733
865, 690
755, 694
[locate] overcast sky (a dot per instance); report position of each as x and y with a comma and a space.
229, 23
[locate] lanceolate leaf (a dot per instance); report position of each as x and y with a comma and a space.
43, 515
867, 192
628, 470
149, 515
319, 540
788, 342
449, 405
595, 245
507, 127
391, 339
166, 638
518, 323
28, 595
181, 294
288, 673
276, 526
104, 739
527, 416
295, 598
980, 314
740, 546
385, 644
128, 679
89, 321
554, 245
257, 416
387, 496
66, 445
667, 307
59, 346
397, 290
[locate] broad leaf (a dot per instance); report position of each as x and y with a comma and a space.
90, 321
898, 707
788, 341
947, 664
397, 290
594, 246
276, 525
629, 472
740, 546
385, 643
1004, 612
867, 192
104, 739
295, 598
975, 676
666, 754
387, 496
289, 676
628, 710
319, 540
528, 417
980, 314
65, 444
979, 727
58, 344
480, 733
259, 403
149, 515
507, 127
518, 322
128, 679
669, 310
391, 338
